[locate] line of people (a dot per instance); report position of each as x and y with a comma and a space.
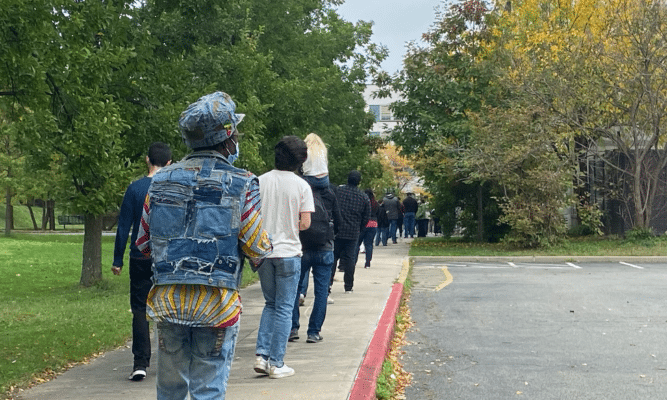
202, 218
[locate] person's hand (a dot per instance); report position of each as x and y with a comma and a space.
116, 270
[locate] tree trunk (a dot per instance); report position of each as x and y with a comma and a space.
9, 212
638, 198
480, 214
51, 214
32, 217
91, 266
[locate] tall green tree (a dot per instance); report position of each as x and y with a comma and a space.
443, 83
72, 77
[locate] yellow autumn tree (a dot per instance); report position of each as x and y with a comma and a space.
597, 67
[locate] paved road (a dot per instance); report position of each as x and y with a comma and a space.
538, 330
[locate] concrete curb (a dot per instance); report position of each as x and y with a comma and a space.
365, 382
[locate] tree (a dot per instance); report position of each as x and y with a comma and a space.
65, 81
598, 68
442, 84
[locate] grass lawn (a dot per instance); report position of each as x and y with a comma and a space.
47, 321
580, 246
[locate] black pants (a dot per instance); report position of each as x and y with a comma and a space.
422, 227
140, 285
345, 251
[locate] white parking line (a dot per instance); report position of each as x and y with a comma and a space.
573, 265
631, 265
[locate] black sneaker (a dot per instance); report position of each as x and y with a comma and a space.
293, 335
137, 375
316, 338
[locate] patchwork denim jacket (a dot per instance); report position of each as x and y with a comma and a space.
195, 220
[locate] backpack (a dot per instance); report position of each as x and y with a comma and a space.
320, 231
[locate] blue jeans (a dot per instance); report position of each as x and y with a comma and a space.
409, 224
392, 229
321, 263
279, 278
197, 360
366, 237
381, 235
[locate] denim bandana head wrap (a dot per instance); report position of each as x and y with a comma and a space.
209, 121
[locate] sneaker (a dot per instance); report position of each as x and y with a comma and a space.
293, 335
367, 266
302, 299
261, 365
348, 291
329, 300
282, 372
316, 338
137, 375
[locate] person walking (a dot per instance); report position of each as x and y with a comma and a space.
201, 219
383, 225
422, 217
410, 207
368, 233
392, 206
287, 204
317, 241
129, 219
355, 212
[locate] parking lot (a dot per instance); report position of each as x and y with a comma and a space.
538, 330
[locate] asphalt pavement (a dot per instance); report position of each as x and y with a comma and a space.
343, 366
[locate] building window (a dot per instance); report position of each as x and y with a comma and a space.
385, 113
375, 110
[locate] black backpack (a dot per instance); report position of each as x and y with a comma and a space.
320, 231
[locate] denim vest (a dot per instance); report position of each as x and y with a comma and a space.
195, 217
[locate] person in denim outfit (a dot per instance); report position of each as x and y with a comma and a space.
320, 259
202, 218
288, 202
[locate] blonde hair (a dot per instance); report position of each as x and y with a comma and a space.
316, 163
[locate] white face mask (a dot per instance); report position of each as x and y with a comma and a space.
233, 157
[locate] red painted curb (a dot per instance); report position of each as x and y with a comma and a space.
366, 379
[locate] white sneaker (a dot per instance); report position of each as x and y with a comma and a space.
282, 372
329, 300
261, 365
302, 299
137, 375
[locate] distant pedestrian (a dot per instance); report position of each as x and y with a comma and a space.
201, 219
368, 233
355, 212
422, 217
287, 204
317, 241
129, 219
392, 205
410, 206
383, 226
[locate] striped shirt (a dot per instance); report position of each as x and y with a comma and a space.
201, 305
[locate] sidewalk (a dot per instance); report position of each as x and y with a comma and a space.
325, 370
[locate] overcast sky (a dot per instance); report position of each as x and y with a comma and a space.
396, 22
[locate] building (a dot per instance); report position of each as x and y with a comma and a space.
384, 118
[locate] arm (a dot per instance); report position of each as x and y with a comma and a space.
304, 221
144, 237
253, 238
122, 231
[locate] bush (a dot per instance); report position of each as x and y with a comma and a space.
532, 224
638, 234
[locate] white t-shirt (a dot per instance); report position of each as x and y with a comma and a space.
284, 196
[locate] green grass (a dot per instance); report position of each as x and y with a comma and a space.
580, 246
47, 321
